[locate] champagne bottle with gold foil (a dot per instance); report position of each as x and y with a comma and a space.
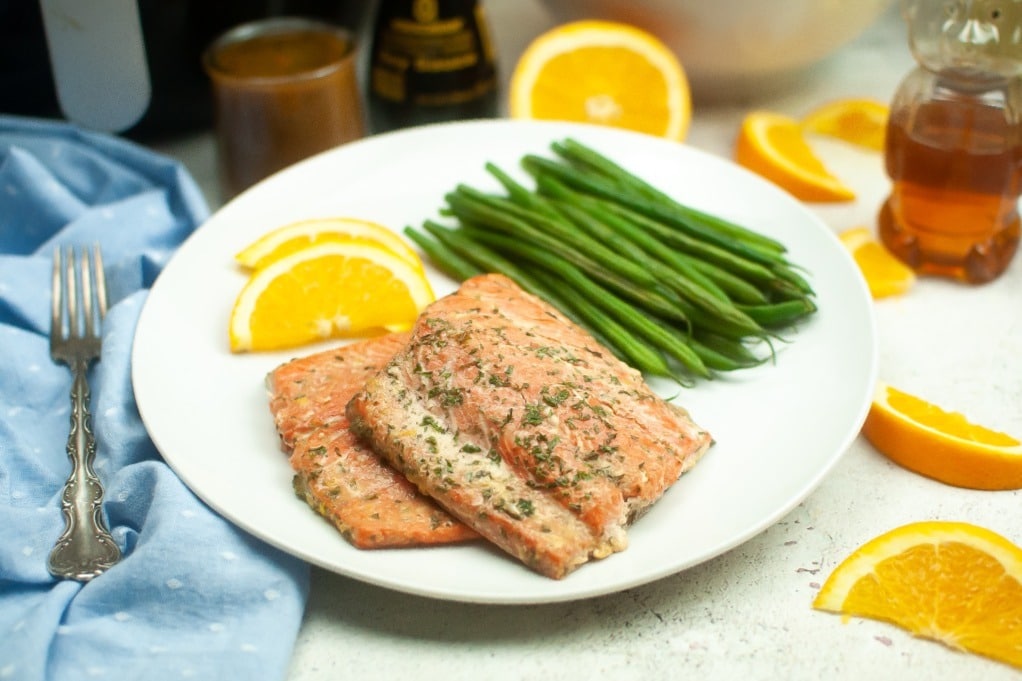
430, 61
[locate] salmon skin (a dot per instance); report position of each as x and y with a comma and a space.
342, 479
522, 425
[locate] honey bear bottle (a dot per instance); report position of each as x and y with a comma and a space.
954, 140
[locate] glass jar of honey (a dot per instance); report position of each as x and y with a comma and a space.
954, 141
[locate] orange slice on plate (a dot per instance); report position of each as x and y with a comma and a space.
940, 444
773, 145
334, 289
952, 582
602, 72
884, 273
862, 122
285, 240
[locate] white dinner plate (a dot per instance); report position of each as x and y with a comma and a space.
779, 428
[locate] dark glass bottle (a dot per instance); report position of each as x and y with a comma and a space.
430, 61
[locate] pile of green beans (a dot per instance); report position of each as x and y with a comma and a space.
672, 291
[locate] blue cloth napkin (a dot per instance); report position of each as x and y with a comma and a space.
193, 597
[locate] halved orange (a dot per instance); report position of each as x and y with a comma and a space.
952, 582
606, 73
772, 145
862, 122
885, 274
333, 289
282, 241
940, 444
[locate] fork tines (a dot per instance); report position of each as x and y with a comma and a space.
80, 280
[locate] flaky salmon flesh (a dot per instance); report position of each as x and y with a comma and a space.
518, 423
341, 478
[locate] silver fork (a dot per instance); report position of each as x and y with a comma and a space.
85, 549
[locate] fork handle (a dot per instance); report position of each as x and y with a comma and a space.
85, 549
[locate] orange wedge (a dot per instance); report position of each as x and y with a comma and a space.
885, 274
285, 240
862, 122
773, 146
333, 289
606, 73
951, 582
941, 445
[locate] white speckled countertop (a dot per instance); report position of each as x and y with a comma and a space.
746, 614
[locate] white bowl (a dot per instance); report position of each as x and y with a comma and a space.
733, 48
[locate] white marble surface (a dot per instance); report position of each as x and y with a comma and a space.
745, 614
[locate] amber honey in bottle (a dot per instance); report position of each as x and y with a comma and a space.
954, 162
954, 141
430, 61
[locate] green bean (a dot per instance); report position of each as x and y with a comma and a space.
780, 314
483, 258
600, 231
736, 349
737, 289
612, 334
607, 228
608, 211
691, 285
673, 344
743, 267
626, 233
446, 259
622, 311
537, 283
700, 319
541, 284
652, 254
657, 301
447, 247
554, 229
603, 189
725, 319
790, 275
575, 150
715, 360
521, 194
473, 213
534, 283
723, 310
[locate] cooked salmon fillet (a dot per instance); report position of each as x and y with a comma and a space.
520, 424
343, 480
